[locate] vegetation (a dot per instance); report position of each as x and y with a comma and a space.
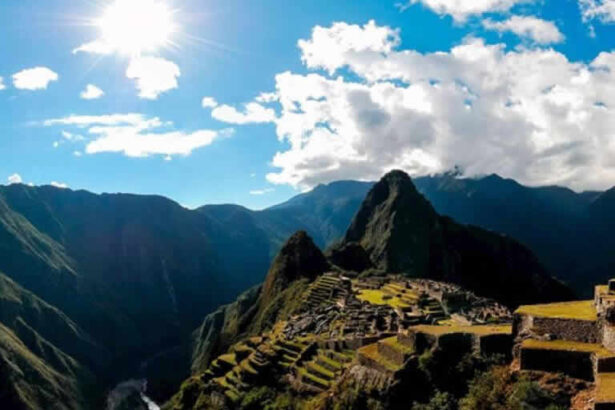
378, 297
476, 329
498, 389
567, 345
581, 310
606, 388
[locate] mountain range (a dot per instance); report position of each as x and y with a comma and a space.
96, 288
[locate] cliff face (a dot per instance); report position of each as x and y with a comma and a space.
402, 233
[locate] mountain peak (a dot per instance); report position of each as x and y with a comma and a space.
394, 212
299, 258
402, 233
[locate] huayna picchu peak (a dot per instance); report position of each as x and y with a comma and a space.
401, 232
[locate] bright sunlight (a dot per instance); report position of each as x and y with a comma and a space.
135, 26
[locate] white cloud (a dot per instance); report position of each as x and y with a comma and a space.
329, 47
209, 102
266, 98
14, 179
253, 113
60, 185
460, 10
91, 92
529, 114
134, 135
2, 86
603, 10
154, 75
262, 191
538, 30
37, 78
95, 47
110, 119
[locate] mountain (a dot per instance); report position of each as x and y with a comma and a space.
402, 233
318, 335
134, 273
297, 264
137, 274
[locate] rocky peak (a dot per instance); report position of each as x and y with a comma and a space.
394, 215
402, 233
299, 258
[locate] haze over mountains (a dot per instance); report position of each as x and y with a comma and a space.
125, 279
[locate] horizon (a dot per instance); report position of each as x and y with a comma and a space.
297, 194
200, 104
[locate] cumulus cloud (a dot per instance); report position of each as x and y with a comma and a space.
528, 27
528, 114
209, 102
460, 10
253, 113
329, 47
37, 78
135, 135
91, 92
14, 179
603, 10
2, 86
153, 75
60, 185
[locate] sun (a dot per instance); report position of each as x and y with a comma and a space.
136, 26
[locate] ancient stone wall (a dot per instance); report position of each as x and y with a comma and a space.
608, 336
585, 331
574, 364
501, 344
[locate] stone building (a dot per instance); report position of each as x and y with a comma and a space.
573, 338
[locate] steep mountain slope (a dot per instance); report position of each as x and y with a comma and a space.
46, 357
298, 263
135, 273
402, 233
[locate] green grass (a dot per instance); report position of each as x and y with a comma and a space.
330, 362
229, 358
371, 351
581, 310
565, 345
379, 297
605, 392
317, 380
316, 368
394, 343
480, 330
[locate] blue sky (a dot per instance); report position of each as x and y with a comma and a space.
375, 85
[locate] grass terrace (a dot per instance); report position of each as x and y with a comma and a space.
605, 393
371, 352
394, 343
378, 297
479, 330
581, 310
565, 345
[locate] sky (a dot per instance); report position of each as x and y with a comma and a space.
252, 102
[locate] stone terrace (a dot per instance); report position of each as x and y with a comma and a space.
574, 338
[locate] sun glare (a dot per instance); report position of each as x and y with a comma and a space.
136, 26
